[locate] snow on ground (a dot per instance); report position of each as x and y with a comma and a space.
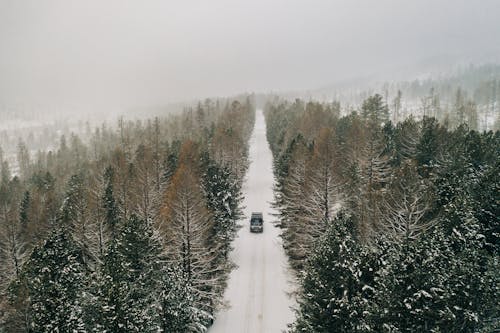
258, 293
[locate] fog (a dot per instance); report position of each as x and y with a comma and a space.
84, 54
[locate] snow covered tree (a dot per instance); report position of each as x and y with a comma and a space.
56, 278
128, 280
374, 176
281, 167
13, 254
375, 110
292, 211
405, 138
408, 205
12, 240
187, 227
337, 286
171, 161
429, 146
471, 282
24, 211
396, 106
320, 192
176, 304
223, 194
324, 194
423, 203
74, 214
228, 145
411, 286
123, 177
146, 194
112, 217
487, 206
316, 118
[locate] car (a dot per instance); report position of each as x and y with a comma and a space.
256, 222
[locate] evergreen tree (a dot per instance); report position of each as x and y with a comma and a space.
56, 278
428, 149
187, 225
396, 105
411, 287
176, 304
338, 283
375, 110
12, 240
109, 203
24, 210
129, 280
171, 161
223, 195
292, 215
405, 138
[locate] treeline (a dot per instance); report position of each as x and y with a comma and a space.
473, 90
128, 233
391, 227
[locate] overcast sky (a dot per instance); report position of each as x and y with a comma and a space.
148, 52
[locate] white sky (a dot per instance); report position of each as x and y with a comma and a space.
146, 52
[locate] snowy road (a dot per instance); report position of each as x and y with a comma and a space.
257, 296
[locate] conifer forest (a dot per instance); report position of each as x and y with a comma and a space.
258, 167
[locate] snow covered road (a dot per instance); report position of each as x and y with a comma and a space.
258, 293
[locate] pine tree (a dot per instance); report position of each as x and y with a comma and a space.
292, 215
171, 162
375, 110
187, 226
176, 304
323, 193
405, 139
129, 277
223, 195
24, 211
374, 176
12, 241
411, 287
145, 194
396, 114
13, 254
408, 205
338, 283
74, 214
109, 203
55, 276
429, 145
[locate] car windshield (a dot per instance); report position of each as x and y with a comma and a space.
256, 221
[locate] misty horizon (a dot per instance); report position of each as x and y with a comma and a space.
123, 54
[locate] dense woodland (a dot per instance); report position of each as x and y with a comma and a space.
127, 230
390, 221
391, 227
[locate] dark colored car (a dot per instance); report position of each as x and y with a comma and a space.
256, 222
